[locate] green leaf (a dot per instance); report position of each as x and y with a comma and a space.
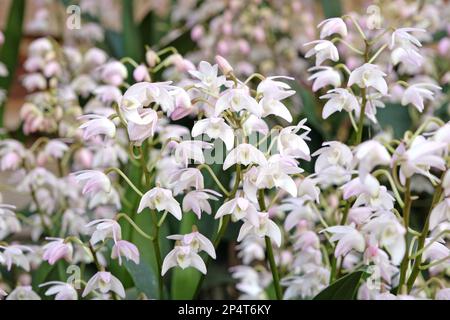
331, 8
144, 278
343, 289
9, 52
395, 117
132, 41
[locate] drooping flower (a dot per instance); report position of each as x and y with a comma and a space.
15, 254
61, 290
196, 241
197, 201
23, 293
162, 200
57, 249
273, 91
332, 26
183, 256
369, 76
104, 282
370, 154
419, 158
94, 181
334, 164
415, 94
339, 99
323, 50
261, 227
215, 128
324, 76
123, 248
401, 37
190, 150
104, 229
237, 100
244, 154
440, 213
239, 208
348, 238
292, 145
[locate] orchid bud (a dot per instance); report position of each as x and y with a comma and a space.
151, 58
224, 65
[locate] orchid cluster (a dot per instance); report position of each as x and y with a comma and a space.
142, 171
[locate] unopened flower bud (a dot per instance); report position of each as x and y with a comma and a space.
224, 65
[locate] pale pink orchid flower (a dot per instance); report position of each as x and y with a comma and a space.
323, 50
196, 241
237, 100
275, 173
57, 249
97, 125
239, 208
15, 254
61, 290
95, 57
332, 26
93, 181
183, 105
140, 73
105, 229
108, 94
208, 77
348, 239
185, 179
215, 128
197, 201
123, 248
370, 154
273, 91
297, 210
443, 294
138, 132
324, 76
186, 151
402, 37
334, 163
244, 154
114, 73
141, 95
440, 213
224, 65
290, 144
422, 155
184, 257
339, 99
160, 199
369, 76
104, 282
262, 226
389, 233
417, 93
23, 293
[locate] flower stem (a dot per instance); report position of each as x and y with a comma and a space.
269, 250
421, 243
127, 180
158, 257
406, 213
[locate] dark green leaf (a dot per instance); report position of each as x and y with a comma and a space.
144, 278
343, 289
9, 52
331, 8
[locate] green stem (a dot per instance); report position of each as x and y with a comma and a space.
213, 175
421, 243
158, 256
406, 214
127, 180
270, 255
134, 225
